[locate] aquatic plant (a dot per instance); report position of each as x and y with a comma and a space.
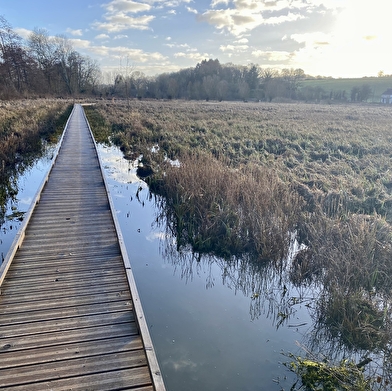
321, 375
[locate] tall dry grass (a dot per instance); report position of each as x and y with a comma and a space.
229, 211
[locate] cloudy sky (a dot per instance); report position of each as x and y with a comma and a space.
339, 38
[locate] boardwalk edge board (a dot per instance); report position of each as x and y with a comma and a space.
17, 242
141, 320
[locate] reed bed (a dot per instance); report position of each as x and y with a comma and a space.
253, 174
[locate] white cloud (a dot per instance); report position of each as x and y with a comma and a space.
120, 52
192, 10
356, 46
180, 46
241, 16
76, 33
121, 36
214, 3
272, 56
118, 16
24, 33
246, 15
80, 43
194, 56
290, 17
121, 22
125, 6
102, 36
312, 39
242, 40
168, 3
234, 48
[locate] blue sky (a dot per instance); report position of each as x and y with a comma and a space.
340, 38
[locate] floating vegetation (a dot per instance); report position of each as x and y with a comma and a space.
16, 215
321, 375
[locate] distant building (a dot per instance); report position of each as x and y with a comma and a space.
386, 96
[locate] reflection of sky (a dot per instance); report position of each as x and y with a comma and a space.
28, 185
204, 332
120, 169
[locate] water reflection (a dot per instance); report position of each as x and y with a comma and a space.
206, 316
270, 291
223, 323
339, 325
18, 189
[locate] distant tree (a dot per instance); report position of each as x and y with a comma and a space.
139, 82
251, 76
42, 48
210, 86
365, 92
172, 88
244, 90
361, 94
292, 78
355, 91
222, 91
12, 58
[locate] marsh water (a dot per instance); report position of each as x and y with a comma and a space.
215, 324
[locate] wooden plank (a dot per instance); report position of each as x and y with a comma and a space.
117, 289
57, 338
136, 379
74, 367
39, 355
57, 313
67, 313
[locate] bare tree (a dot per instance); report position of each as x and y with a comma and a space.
43, 49
11, 56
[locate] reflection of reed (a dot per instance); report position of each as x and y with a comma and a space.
278, 289
267, 284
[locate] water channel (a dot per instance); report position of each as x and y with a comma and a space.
215, 325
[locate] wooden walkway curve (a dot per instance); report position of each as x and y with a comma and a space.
70, 315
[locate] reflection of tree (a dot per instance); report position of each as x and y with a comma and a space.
9, 177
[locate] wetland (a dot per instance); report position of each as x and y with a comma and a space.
259, 235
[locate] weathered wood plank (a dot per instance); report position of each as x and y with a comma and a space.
127, 379
39, 355
75, 367
57, 338
69, 298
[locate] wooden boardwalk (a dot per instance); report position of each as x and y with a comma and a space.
70, 315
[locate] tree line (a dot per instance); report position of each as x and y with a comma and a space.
43, 65
209, 80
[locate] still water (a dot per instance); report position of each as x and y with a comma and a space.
215, 325
27, 186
